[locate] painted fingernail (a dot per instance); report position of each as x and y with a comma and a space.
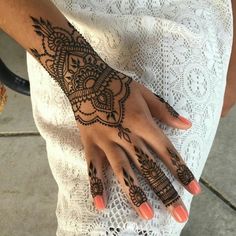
185, 121
194, 187
180, 214
146, 211
99, 203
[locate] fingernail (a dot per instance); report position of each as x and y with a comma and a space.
180, 214
194, 187
185, 121
99, 203
146, 211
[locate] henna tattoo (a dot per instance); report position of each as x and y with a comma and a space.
123, 132
157, 179
97, 92
135, 192
95, 182
171, 110
183, 172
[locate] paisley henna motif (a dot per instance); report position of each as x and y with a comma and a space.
183, 172
136, 193
97, 93
95, 182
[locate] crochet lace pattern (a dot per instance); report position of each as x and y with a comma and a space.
180, 50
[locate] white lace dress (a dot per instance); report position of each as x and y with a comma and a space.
179, 49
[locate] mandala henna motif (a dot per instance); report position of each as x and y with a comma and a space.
184, 173
171, 110
136, 193
95, 182
157, 179
97, 93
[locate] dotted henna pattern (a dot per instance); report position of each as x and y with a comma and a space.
137, 195
97, 92
183, 172
157, 179
95, 182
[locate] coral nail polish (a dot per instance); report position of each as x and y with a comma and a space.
180, 214
99, 202
146, 211
194, 187
184, 120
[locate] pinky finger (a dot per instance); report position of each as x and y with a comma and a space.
96, 180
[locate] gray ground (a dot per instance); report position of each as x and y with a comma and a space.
28, 192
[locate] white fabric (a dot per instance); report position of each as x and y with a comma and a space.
179, 49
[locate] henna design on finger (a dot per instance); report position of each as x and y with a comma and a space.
136, 194
95, 182
157, 179
184, 173
124, 132
171, 110
97, 92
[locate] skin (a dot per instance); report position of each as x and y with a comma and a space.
230, 94
108, 103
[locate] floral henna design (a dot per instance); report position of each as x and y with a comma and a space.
97, 93
95, 182
136, 193
183, 172
157, 179
172, 111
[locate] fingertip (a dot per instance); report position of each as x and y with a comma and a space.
99, 202
194, 187
146, 211
185, 121
180, 214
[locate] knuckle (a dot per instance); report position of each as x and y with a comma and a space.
119, 164
168, 194
117, 167
140, 119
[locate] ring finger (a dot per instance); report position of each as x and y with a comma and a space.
129, 183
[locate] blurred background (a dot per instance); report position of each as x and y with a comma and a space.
28, 192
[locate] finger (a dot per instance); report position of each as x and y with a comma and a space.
182, 172
162, 110
129, 183
158, 181
166, 151
95, 159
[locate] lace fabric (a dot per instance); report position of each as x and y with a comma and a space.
177, 49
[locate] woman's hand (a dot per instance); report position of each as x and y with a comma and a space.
115, 118
114, 113
102, 144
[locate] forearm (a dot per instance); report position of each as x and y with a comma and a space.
15, 20
43, 31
